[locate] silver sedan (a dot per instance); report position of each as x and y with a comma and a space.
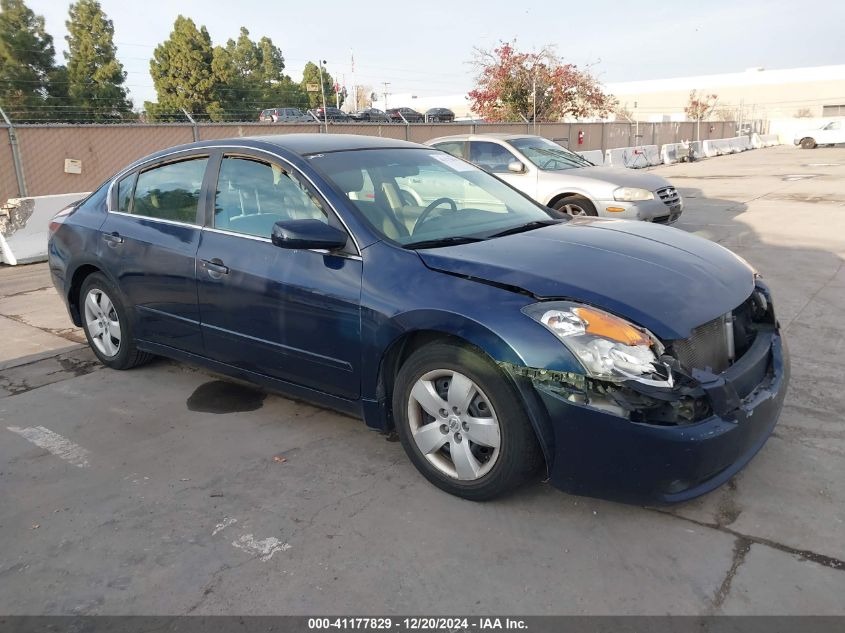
563, 180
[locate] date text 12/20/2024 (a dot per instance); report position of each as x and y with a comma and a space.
452, 625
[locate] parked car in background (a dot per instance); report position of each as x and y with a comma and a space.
563, 180
285, 115
410, 115
828, 134
332, 114
495, 337
370, 115
439, 115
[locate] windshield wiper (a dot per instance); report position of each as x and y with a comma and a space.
443, 241
528, 226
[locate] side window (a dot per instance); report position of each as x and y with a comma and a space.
170, 192
455, 148
490, 156
124, 192
253, 195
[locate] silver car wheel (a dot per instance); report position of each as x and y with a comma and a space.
573, 210
454, 425
102, 322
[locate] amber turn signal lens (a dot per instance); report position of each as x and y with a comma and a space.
615, 209
609, 326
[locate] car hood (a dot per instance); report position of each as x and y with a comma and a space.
658, 277
616, 176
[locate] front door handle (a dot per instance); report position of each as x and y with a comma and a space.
214, 267
113, 239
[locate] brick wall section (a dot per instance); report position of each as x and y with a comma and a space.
105, 149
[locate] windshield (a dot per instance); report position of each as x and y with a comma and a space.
426, 196
548, 155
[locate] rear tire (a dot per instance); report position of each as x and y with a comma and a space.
476, 410
808, 143
575, 206
105, 321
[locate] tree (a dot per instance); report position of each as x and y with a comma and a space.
26, 62
95, 77
311, 75
250, 77
181, 69
700, 106
511, 85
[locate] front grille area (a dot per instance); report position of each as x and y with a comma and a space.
669, 195
706, 348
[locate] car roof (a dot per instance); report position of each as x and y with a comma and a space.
301, 144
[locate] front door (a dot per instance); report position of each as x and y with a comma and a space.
288, 314
495, 158
150, 241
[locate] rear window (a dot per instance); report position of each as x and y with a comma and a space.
170, 192
124, 192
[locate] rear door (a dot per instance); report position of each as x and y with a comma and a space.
293, 315
150, 240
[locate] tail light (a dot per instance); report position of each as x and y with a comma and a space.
60, 217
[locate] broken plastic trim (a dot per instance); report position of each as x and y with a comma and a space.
685, 403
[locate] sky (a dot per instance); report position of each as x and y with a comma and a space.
426, 48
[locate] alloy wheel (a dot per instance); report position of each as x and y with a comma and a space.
102, 322
454, 425
573, 210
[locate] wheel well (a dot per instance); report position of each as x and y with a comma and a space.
561, 196
79, 277
402, 348
395, 356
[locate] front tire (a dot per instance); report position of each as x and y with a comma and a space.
106, 324
575, 206
462, 424
808, 143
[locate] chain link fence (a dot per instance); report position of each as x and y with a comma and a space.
102, 150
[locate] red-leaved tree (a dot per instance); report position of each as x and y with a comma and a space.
510, 84
700, 106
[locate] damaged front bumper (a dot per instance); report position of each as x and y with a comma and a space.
595, 451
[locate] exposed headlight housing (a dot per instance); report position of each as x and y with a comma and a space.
632, 194
608, 347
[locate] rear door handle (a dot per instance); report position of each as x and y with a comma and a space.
214, 267
113, 239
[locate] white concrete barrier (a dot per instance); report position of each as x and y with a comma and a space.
723, 146
595, 156
764, 140
633, 157
674, 153
24, 225
697, 149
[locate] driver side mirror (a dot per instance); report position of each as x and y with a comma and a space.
307, 234
516, 167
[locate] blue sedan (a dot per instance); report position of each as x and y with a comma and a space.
400, 284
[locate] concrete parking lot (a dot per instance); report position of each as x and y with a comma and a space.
163, 491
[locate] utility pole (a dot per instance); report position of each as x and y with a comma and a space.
323, 92
16, 155
354, 85
636, 127
385, 93
534, 99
